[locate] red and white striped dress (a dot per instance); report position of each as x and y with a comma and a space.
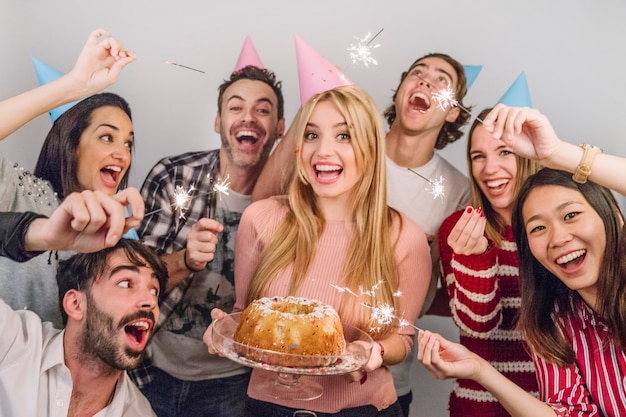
595, 385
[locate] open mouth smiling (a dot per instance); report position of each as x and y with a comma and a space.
138, 331
420, 102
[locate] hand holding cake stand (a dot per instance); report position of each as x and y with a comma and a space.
288, 368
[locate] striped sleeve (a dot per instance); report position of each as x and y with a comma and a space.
472, 285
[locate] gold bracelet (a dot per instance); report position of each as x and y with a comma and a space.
583, 170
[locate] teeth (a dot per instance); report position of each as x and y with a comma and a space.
246, 133
113, 168
570, 257
493, 184
327, 168
422, 96
141, 324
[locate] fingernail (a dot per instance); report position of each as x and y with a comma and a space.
479, 210
469, 209
362, 381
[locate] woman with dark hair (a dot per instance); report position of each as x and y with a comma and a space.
88, 148
66, 158
572, 249
571, 243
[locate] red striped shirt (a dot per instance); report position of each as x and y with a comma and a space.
595, 385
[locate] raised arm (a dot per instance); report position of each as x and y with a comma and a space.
276, 174
97, 67
530, 134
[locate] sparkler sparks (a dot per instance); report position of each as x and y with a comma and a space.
182, 197
436, 188
362, 51
445, 98
382, 314
184, 66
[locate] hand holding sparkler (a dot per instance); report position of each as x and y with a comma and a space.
201, 244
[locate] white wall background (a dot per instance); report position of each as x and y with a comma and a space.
572, 51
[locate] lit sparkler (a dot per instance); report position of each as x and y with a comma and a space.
184, 66
362, 51
383, 314
182, 197
445, 98
436, 186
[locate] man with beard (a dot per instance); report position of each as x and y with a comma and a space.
109, 302
197, 243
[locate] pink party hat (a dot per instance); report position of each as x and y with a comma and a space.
45, 74
471, 72
517, 95
315, 73
248, 56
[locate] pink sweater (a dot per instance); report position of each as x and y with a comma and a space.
258, 224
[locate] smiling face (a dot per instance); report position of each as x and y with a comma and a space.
104, 150
327, 155
494, 170
415, 107
248, 122
122, 309
567, 236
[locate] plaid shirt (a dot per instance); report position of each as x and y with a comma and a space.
165, 226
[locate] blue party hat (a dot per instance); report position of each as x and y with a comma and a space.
45, 74
517, 95
471, 72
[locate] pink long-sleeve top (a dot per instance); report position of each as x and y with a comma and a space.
259, 223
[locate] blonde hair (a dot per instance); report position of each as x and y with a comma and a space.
371, 261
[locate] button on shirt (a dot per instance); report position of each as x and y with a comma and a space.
34, 380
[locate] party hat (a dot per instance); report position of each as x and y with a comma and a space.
45, 74
248, 56
517, 95
315, 73
471, 72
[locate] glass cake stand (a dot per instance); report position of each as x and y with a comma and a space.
285, 382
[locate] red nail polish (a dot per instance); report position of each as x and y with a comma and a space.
362, 381
469, 209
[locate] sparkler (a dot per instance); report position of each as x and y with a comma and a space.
436, 186
445, 98
182, 197
383, 314
362, 51
184, 66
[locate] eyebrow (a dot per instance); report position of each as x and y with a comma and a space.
132, 268
261, 100
558, 208
340, 124
117, 129
437, 69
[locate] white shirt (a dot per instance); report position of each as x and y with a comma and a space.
34, 380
